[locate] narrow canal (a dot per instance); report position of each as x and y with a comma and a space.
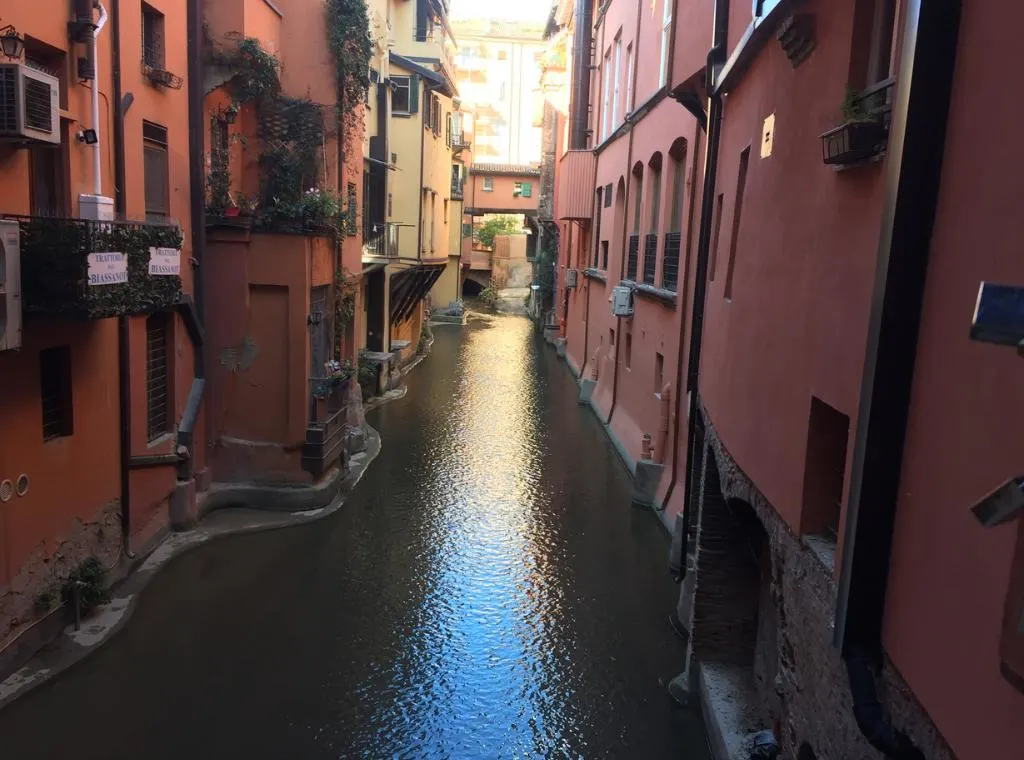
486, 592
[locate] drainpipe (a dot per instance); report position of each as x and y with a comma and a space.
582, 40
716, 57
118, 121
97, 176
423, 139
917, 141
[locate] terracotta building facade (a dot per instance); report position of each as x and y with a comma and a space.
787, 211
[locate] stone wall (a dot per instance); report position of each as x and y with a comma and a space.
801, 680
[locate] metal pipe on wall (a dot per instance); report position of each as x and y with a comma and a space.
580, 108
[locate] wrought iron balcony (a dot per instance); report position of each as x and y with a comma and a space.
457, 188
381, 242
85, 269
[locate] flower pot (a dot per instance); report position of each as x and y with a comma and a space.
853, 142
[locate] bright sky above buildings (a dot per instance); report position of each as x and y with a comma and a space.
518, 10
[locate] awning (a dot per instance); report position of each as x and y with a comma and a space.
409, 287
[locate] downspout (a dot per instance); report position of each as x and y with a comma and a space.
97, 176
917, 142
118, 121
716, 57
622, 261
419, 196
582, 40
193, 310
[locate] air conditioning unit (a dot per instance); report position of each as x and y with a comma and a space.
10, 285
572, 277
622, 301
29, 103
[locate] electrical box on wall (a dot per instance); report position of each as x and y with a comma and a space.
10, 285
622, 301
571, 278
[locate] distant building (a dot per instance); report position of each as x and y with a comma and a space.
498, 71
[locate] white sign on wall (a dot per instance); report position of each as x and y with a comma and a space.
107, 268
164, 261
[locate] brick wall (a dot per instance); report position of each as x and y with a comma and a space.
800, 677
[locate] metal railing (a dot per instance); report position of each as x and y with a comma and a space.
670, 261
381, 241
632, 261
457, 189
650, 257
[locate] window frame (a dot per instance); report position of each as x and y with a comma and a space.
488, 184
666, 41
159, 324
616, 76
154, 52
396, 85
150, 143
605, 102
59, 385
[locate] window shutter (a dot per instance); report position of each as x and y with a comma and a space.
414, 94
448, 131
527, 190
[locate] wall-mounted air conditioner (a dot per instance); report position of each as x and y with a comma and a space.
10, 285
572, 277
622, 301
29, 103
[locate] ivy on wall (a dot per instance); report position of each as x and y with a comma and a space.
348, 37
55, 268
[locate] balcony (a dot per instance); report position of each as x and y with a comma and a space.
381, 243
85, 269
460, 142
457, 190
575, 193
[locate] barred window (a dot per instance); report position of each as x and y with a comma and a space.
155, 171
55, 392
157, 377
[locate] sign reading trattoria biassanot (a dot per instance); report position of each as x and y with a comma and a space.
107, 268
164, 262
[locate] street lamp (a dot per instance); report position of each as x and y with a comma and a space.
11, 43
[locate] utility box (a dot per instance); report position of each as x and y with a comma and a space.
572, 277
622, 301
10, 285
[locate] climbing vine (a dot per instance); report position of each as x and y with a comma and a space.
349, 41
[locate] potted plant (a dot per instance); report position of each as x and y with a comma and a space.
859, 137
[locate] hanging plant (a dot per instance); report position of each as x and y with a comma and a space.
348, 37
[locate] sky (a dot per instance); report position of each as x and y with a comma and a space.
520, 10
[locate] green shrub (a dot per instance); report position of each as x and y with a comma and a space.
91, 579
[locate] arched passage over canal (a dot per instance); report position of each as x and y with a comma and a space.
486, 592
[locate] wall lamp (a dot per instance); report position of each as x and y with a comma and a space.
12, 44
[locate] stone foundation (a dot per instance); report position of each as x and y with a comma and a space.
52, 562
772, 618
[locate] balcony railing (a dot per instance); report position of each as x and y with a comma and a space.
459, 141
85, 269
650, 257
632, 260
670, 261
457, 189
381, 241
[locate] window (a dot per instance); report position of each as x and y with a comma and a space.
155, 170
871, 59
638, 196
615, 81
157, 377
741, 186
666, 35
629, 350
611, 336
434, 119
152, 37
630, 94
400, 95
678, 156
522, 190
372, 82
605, 101
488, 184
606, 191
501, 92
716, 234
655, 167
828, 432
607, 196
448, 131
48, 185
55, 393
389, 205
219, 142
467, 230
659, 373
604, 254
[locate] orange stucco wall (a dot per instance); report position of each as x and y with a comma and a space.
73, 478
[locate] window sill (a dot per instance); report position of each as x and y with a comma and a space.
595, 274
666, 297
402, 114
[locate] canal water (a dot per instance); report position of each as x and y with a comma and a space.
486, 592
